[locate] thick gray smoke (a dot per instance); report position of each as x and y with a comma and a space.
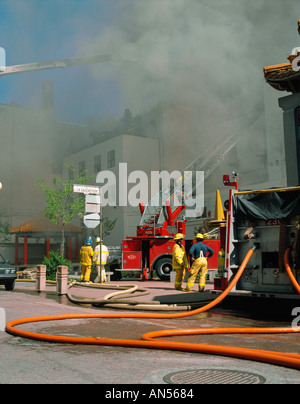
204, 54
208, 53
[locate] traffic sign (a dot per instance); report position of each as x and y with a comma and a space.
86, 189
92, 203
91, 220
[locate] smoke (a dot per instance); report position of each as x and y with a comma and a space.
208, 53
204, 54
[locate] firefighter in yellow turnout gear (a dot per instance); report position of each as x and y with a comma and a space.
198, 254
100, 264
86, 259
179, 261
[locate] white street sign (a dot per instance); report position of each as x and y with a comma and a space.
2, 319
86, 189
92, 204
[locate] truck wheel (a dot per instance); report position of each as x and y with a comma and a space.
9, 285
163, 268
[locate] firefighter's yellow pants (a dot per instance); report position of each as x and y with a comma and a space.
85, 273
198, 266
179, 278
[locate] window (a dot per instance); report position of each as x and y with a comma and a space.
111, 161
82, 168
97, 164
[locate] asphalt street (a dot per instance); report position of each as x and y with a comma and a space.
26, 361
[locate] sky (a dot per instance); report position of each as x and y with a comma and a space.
209, 53
39, 30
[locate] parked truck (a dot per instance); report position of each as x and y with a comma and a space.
270, 220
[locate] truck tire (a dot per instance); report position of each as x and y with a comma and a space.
163, 268
9, 285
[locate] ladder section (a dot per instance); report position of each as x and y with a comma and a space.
155, 213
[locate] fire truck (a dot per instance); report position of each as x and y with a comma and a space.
268, 219
151, 249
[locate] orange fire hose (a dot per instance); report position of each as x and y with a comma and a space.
279, 358
289, 271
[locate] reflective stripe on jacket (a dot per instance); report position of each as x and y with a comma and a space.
179, 259
104, 254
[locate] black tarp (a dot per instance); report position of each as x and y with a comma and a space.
267, 205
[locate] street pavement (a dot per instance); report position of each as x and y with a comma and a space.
25, 361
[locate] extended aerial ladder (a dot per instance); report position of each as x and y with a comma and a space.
164, 215
56, 64
168, 205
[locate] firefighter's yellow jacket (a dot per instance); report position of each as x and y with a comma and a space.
86, 255
179, 260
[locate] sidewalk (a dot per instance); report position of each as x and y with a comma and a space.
29, 361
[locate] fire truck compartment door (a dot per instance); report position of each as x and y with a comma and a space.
132, 260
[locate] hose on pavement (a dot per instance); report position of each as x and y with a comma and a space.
149, 340
114, 301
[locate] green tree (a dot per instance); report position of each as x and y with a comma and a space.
62, 204
4, 228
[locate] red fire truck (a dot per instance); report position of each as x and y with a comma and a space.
151, 249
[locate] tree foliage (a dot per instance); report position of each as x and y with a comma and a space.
4, 228
62, 204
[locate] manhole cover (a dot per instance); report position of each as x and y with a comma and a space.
213, 376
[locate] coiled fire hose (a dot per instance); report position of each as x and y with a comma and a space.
149, 340
119, 299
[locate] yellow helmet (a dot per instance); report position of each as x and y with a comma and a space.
179, 236
199, 236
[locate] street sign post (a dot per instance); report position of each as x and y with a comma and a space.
92, 204
93, 208
86, 189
